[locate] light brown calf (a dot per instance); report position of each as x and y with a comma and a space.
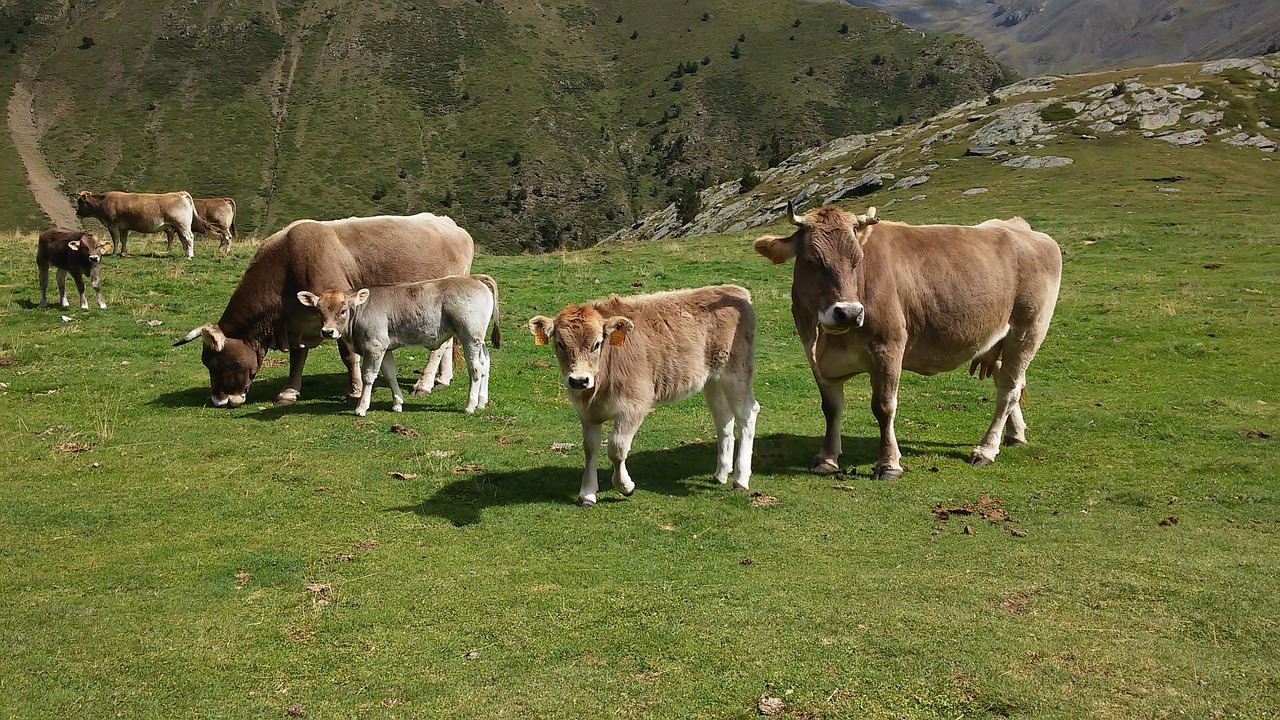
219, 214
880, 297
621, 356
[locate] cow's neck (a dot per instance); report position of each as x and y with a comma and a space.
254, 310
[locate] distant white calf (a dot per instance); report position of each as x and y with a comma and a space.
375, 321
660, 348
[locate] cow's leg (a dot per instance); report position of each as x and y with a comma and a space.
370, 362
446, 364
188, 241
1011, 377
745, 410
62, 287
44, 284
351, 359
1015, 428
591, 450
168, 239
624, 429
477, 370
389, 372
84, 304
722, 415
293, 389
95, 278
121, 236
828, 458
427, 381
886, 370
225, 246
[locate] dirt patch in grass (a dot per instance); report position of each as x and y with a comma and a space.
986, 507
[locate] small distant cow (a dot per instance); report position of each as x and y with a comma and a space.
881, 297
124, 212
375, 321
70, 251
621, 356
219, 214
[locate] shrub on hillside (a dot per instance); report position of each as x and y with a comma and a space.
1057, 112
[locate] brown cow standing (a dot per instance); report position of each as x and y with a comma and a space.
621, 356
71, 251
878, 298
264, 312
123, 212
219, 214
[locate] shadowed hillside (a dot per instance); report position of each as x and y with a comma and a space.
535, 125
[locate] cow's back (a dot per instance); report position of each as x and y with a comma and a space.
681, 338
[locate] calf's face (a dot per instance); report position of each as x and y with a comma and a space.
231, 362
579, 333
335, 308
827, 250
89, 247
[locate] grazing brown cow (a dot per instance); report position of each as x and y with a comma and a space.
124, 212
264, 312
620, 356
877, 298
71, 251
219, 214
428, 313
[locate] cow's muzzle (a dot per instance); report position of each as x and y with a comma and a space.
234, 401
579, 382
331, 333
94, 258
842, 317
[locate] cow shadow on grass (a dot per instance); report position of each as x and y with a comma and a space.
322, 394
678, 472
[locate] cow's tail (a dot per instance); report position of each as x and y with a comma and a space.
198, 224
234, 213
489, 282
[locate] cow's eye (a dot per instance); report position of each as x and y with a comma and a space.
598, 344
560, 344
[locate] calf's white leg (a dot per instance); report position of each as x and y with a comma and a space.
62, 287
624, 430
95, 278
427, 381
746, 409
591, 450
370, 363
389, 372
44, 284
722, 415
477, 369
84, 304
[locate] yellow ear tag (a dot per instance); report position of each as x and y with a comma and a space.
617, 338
540, 336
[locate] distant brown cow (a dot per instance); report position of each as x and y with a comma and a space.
220, 216
264, 312
620, 356
878, 298
70, 251
124, 212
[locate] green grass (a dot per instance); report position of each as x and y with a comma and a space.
231, 563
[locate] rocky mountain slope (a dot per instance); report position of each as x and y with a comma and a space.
1072, 36
536, 125
1040, 125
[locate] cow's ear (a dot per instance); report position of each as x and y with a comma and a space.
777, 248
361, 297
617, 328
73, 244
542, 327
308, 299
213, 337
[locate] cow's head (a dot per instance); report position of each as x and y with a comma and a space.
335, 308
232, 364
579, 333
827, 248
89, 246
85, 203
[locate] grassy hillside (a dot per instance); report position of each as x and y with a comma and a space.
163, 558
535, 125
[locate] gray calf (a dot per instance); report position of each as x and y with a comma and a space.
375, 321
70, 251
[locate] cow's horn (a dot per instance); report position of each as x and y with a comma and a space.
189, 336
799, 220
871, 216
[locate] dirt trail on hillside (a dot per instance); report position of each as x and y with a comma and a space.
22, 129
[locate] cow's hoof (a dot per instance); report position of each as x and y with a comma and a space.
978, 459
586, 502
288, 397
886, 473
720, 479
824, 465
443, 383
1014, 441
397, 408
420, 391
741, 487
